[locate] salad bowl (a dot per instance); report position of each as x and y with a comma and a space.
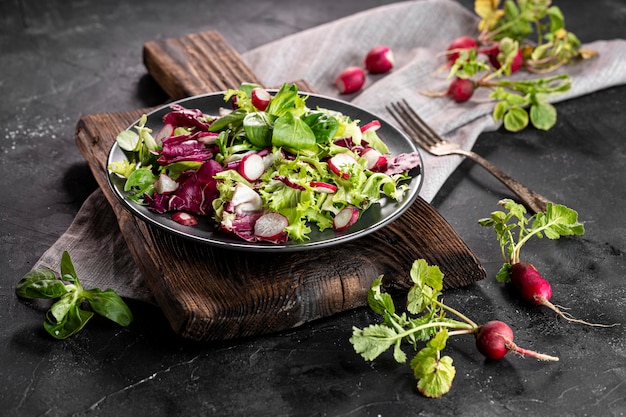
207, 231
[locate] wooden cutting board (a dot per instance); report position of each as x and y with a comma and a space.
210, 293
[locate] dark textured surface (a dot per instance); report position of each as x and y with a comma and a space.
62, 59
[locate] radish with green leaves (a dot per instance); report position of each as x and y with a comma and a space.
432, 322
462, 43
555, 222
494, 340
461, 89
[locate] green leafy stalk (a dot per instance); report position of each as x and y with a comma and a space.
428, 323
514, 228
530, 34
67, 316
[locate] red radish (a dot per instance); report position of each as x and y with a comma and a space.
271, 227
493, 53
165, 132
165, 185
534, 288
251, 167
373, 125
518, 61
461, 89
184, 218
345, 218
350, 80
375, 160
459, 44
495, 339
323, 187
340, 163
260, 98
379, 60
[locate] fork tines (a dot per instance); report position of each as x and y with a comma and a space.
414, 125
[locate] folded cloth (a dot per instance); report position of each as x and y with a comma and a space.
417, 32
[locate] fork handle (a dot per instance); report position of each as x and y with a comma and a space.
532, 200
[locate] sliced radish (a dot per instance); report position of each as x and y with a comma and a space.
245, 200
323, 187
373, 125
260, 98
233, 102
165, 185
208, 138
375, 160
270, 158
184, 218
340, 163
165, 132
350, 80
379, 60
271, 227
251, 167
345, 218
236, 157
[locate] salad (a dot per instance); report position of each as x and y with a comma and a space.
269, 169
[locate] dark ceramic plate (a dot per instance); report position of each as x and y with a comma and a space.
206, 231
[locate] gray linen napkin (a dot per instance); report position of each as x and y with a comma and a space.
417, 32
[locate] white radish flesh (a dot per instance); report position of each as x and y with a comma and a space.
271, 227
165, 132
323, 187
340, 163
373, 125
251, 167
245, 200
260, 98
375, 160
185, 219
345, 218
165, 185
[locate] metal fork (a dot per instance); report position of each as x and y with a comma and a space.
433, 143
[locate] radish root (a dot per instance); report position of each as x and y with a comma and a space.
567, 316
510, 345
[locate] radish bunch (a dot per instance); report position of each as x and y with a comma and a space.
433, 323
512, 36
464, 63
524, 278
378, 60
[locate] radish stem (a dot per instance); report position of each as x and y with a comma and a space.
457, 313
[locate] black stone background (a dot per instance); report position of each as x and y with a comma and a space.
61, 59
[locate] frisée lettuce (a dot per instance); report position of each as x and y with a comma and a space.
302, 165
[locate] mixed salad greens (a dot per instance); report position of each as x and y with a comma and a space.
267, 170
